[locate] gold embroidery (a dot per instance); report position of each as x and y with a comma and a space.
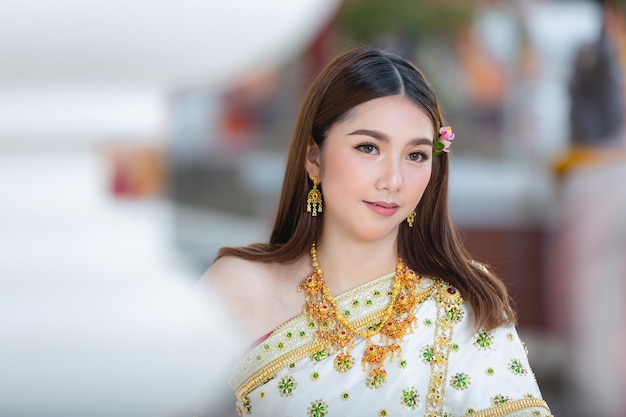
268, 372
532, 404
449, 313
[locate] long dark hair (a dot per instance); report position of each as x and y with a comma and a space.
432, 247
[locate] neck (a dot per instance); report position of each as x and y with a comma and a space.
348, 264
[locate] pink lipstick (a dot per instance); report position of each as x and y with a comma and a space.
382, 207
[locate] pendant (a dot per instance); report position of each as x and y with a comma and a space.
344, 362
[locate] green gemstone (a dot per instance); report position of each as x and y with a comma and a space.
320, 355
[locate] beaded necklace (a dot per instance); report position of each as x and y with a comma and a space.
339, 334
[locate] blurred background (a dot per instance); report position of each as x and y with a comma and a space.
136, 138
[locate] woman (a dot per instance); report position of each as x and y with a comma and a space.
363, 302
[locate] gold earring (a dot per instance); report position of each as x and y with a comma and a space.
314, 199
411, 218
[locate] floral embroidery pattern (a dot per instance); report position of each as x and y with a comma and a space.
286, 386
377, 378
320, 355
460, 381
517, 367
318, 408
410, 398
245, 402
490, 371
427, 353
499, 399
454, 313
484, 341
345, 396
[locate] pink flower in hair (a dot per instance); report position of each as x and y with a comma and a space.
446, 136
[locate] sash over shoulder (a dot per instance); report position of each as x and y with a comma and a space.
443, 368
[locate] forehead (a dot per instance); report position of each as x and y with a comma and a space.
390, 111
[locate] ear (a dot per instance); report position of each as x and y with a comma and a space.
312, 160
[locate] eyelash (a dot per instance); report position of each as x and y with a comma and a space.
420, 156
362, 147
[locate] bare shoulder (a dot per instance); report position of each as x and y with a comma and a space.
237, 278
259, 295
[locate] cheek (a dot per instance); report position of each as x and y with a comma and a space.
341, 170
420, 182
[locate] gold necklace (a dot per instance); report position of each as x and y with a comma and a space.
339, 334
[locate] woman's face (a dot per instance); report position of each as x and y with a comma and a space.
374, 167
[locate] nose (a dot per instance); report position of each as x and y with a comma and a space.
390, 176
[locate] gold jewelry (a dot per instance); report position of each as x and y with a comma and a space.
411, 218
339, 334
314, 199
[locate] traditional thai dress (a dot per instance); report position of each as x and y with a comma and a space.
441, 367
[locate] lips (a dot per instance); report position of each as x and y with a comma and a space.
382, 204
382, 207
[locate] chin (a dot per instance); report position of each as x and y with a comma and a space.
372, 234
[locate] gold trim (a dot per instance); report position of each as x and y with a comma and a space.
449, 314
508, 407
270, 370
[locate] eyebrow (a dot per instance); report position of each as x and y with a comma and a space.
384, 138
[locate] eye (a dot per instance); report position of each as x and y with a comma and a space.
368, 148
418, 156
